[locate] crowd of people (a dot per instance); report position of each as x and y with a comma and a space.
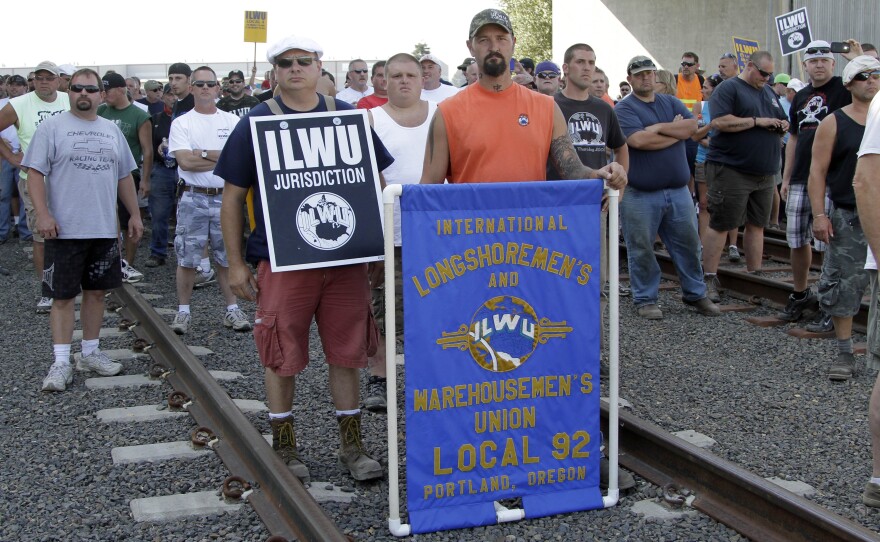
696, 155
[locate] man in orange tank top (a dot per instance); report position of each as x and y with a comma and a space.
688, 82
463, 142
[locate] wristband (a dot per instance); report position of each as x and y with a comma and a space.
819, 216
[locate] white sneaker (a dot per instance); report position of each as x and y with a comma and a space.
237, 320
733, 254
205, 279
99, 362
130, 274
44, 305
180, 325
60, 376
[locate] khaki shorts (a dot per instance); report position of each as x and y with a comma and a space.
29, 209
377, 293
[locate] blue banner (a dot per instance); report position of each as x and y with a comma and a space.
502, 327
743, 48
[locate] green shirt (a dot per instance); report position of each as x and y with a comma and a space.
129, 121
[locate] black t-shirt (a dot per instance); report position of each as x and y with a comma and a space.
757, 150
592, 127
239, 107
809, 107
183, 106
844, 156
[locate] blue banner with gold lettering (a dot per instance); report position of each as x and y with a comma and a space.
502, 327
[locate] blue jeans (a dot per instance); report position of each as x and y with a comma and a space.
8, 178
163, 190
669, 212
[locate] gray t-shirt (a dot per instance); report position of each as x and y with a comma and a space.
83, 162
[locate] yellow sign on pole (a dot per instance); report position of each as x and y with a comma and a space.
255, 23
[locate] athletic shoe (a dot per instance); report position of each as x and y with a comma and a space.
376, 398
130, 274
44, 305
796, 307
205, 279
237, 320
99, 362
733, 254
822, 324
180, 325
712, 284
60, 376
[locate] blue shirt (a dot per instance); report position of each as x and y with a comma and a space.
237, 165
658, 169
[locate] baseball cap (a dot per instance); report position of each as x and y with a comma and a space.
466, 62
547, 66
490, 16
66, 69
235, 73
167, 88
783, 78
527, 63
152, 84
431, 58
858, 65
113, 80
47, 66
795, 84
820, 48
293, 42
639, 64
180, 68
16, 80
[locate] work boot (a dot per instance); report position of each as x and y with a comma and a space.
284, 444
712, 284
843, 367
351, 451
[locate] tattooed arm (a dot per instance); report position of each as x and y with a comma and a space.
569, 165
436, 165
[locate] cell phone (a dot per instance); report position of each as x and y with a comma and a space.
839, 47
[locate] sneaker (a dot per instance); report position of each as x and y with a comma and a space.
733, 254
155, 261
704, 306
236, 319
625, 480
651, 312
375, 400
204, 279
843, 367
44, 305
180, 325
130, 274
622, 290
712, 285
822, 324
796, 307
60, 376
99, 362
871, 495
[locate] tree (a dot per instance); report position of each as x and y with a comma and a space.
421, 50
533, 27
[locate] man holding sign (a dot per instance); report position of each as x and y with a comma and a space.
337, 297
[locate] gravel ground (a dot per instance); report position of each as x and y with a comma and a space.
760, 393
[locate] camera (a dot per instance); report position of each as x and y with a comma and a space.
839, 47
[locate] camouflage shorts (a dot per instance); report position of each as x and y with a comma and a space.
873, 354
844, 278
198, 222
377, 292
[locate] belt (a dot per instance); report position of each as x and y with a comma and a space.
201, 190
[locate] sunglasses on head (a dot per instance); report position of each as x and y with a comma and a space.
688, 64
547, 75
209, 84
301, 60
91, 89
864, 76
641, 64
818, 50
728, 55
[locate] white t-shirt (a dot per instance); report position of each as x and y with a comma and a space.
871, 145
407, 146
10, 134
440, 93
140, 106
200, 131
352, 96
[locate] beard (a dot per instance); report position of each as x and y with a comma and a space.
83, 104
494, 69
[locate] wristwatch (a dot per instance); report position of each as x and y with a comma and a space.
204, 154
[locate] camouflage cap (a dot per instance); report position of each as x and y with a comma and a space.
490, 16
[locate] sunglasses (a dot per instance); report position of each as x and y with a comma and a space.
301, 60
91, 89
818, 50
156, 90
360, 71
209, 84
864, 76
688, 64
30, 79
641, 64
762, 72
42, 78
728, 55
235, 81
547, 75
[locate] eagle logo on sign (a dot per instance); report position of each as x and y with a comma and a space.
325, 221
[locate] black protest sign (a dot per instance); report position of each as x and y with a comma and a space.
320, 186
793, 29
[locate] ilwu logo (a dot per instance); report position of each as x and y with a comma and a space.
325, 221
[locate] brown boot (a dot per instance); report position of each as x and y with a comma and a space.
351, 452
284, 444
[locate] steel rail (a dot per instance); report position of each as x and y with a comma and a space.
281, 501
745, 502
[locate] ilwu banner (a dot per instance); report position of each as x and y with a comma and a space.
320, 186
502, 327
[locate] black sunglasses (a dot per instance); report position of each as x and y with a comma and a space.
728, 55
360, 71
209, 84
688, 64
547, 75
864, 76
235, 81
641, 64
818, 50
301, 60
91, 89
762, 72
